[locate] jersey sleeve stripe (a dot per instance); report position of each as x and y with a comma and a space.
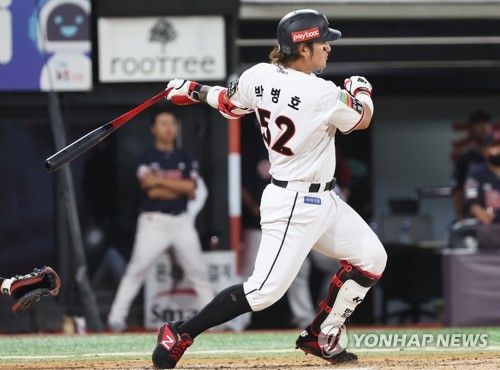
354, 127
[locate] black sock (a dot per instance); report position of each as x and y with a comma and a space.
227, 305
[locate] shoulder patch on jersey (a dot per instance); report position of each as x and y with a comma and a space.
351, 102
232, 87
345, 97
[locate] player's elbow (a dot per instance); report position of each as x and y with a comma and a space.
365, 120
363, 126
367, 114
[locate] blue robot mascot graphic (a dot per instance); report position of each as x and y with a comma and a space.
64, 37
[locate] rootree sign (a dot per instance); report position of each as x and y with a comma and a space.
158, 49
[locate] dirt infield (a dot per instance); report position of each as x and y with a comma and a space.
459, 361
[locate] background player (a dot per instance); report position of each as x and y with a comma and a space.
299, 115
482, 186
167, 178
480, 125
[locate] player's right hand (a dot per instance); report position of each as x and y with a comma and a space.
183, 92
358, 84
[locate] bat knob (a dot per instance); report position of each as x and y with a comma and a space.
50, 166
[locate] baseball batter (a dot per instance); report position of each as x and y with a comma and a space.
299, 115
167, 178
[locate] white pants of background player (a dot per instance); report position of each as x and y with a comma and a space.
292, 225
156, 232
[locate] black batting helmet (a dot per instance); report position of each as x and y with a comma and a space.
304, 25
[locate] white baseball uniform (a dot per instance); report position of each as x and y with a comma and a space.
299, 115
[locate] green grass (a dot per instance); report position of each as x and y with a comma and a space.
218, 345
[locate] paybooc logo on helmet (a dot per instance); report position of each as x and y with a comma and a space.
301, 36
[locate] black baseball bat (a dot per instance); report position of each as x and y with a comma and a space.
75, 149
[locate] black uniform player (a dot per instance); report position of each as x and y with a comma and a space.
482, 188
167, 177
480, 126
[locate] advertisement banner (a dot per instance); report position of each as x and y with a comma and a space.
162, 48
168, 295
45, 45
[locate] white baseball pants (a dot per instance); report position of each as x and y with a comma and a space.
156, 232
295, 222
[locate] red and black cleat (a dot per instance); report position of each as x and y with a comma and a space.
170, 346
325, 348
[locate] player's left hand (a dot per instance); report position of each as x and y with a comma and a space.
28, 289
183, 92
358, 84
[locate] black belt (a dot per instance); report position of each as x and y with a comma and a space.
313, 188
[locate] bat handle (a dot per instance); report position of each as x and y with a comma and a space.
80, 146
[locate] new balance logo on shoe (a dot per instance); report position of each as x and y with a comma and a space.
167, 342
170, 345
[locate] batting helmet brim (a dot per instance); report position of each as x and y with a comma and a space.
331, 35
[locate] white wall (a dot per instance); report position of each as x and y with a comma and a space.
412, 144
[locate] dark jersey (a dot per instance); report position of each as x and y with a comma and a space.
463, 164
172, 165
483, 187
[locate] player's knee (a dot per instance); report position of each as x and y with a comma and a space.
379, 261
382, 259
375, 259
